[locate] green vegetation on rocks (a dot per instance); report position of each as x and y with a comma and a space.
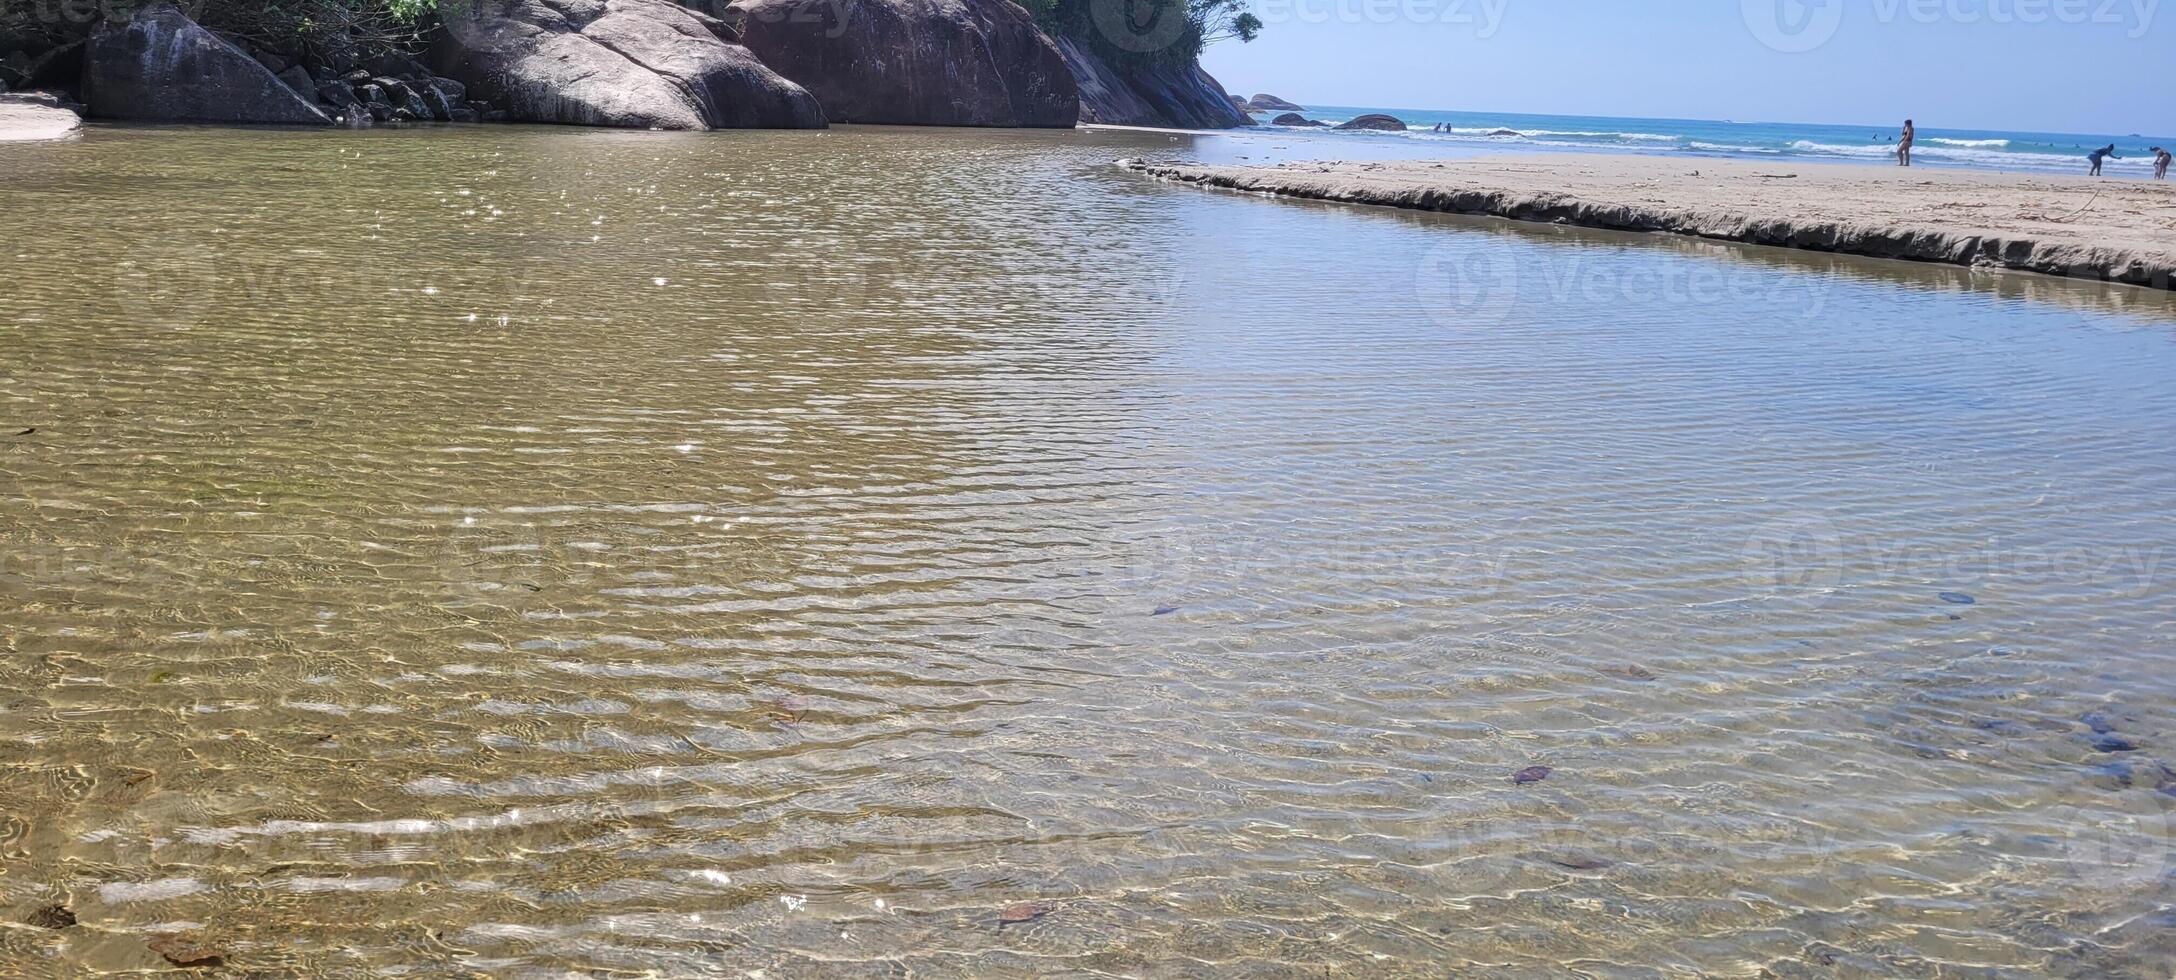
1147, 32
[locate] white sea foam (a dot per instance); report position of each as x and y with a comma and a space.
1842, 150
1973, 156
1951, 142
1506, 132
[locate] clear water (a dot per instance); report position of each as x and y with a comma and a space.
1871, 143
527, 552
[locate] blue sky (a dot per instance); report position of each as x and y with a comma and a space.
2040, 65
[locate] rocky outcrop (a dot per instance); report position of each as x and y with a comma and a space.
160, 66
914, 62
1271, 103
1168, 96
1374, 121
1295, 119
34, 116
632, 63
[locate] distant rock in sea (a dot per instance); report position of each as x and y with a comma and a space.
1295, 119
1271, 103
1375, 121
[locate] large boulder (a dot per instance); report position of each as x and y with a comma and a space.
1375, 121
914, 62
1268, 103
1295, 119
1172, 96
646, 64
159, 65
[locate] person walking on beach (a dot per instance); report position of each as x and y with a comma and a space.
2097, 156
1904, 145
2160, 163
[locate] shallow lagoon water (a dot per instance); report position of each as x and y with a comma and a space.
538, 552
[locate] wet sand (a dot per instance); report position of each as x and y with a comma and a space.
2114, 230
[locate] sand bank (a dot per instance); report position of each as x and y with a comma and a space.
30, 117
2108, 229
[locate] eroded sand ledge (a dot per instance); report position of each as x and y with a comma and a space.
2113, 230
24, 117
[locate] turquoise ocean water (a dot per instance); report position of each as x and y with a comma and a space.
1868, 143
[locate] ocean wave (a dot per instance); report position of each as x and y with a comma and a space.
1838, 149
1972, 156
1632, 137
1729, 148
2011, 154
1506, 132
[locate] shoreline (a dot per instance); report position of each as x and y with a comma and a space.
2112, 230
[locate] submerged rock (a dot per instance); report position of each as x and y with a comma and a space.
2112, 742
1531, 774
1374, 121
646, 64
51, 917
187, 952
1173, 96
1021, 912
914, 62
159, 65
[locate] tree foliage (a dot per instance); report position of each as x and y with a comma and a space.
1138, 31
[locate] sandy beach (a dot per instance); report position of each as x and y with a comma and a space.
24, 117
2114, 230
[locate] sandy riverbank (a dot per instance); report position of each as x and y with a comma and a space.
2116, 230
31, 117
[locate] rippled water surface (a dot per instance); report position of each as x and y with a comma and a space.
540, 553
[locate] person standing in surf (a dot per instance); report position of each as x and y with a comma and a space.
2099, 156
1904, 145
2160, 163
